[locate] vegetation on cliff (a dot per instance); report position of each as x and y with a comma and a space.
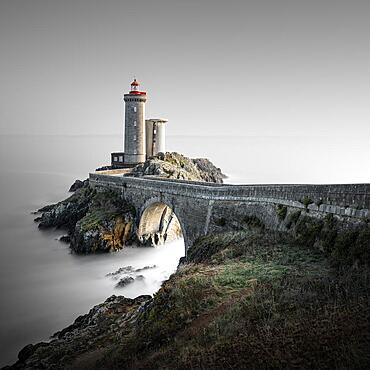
342, 243
244, 299
253, 299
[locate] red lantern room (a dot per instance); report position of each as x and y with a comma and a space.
135, 87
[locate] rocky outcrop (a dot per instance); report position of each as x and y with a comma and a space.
78, 184
125, 281
88, 334
95, 221
66, 213
176, 166
127, 275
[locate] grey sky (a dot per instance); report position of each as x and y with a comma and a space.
211, 67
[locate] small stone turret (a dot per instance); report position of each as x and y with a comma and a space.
134, 143
155, 136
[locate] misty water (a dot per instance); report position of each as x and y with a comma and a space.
44, 287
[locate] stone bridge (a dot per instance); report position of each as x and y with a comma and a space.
203, 208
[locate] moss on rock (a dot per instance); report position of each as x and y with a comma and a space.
173, 165
96, 221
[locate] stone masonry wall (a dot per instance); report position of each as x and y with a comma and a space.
198, 206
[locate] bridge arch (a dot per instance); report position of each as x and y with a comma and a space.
158, 223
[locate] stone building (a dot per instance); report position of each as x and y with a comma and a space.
142, 138
155, 136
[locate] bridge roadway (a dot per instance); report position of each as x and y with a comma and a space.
199, 205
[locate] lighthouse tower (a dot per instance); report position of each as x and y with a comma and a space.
142, 138
134, 146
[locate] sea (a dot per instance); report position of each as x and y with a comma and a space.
44, 287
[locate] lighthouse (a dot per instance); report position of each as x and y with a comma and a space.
142, 138
134, 142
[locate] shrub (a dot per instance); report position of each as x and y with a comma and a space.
220, 221
308, 231
306, 201
293, 218
253, 222
281, 211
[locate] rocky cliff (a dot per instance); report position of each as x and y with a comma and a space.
95, 221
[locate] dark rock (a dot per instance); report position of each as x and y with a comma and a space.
78, 184
47, 208
182, 262
26, 352
88, 332
121, 270
124, 281
145, 268
104, 168
65, 239
66, 213
99, 313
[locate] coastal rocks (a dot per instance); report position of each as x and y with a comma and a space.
124, 281
66, 213
176, 166
120, 271
127, 275
102, 236
88, 333
78, 184
65, 239
146, 268
95, 221
208, 171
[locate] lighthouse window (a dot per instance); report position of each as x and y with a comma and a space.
155, 131
135, 123
134, 109
121, 158
115, 159
134, 137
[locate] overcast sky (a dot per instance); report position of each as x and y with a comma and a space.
211, 67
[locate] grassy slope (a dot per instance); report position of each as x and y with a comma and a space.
252, 300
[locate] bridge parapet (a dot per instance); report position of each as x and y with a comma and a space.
354, 196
